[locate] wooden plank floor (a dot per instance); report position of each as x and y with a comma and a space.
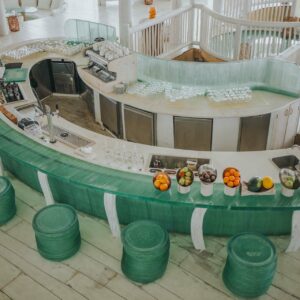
94, 272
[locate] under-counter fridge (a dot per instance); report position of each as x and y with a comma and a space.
193, 133
254, 133
140, 125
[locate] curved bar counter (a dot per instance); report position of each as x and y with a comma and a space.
91, 186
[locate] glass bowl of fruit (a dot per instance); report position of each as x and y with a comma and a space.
162, 181
289, 182
232, 180
207, 176
185, 178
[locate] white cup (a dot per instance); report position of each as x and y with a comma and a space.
230, 191
206, 189
287, 192
183, 189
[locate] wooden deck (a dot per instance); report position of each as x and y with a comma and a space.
94, 272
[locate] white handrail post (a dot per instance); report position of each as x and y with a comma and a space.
125, 20
192, 22
204, 25
237, 42
43, 180
3, 21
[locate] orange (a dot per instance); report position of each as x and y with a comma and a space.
236, 182
163, 180
159, 176
226, 179
236, 174
230, 183
231, 178
227, 174
231, 171
164, 187
267, 182
157, 184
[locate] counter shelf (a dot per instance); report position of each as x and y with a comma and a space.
92, 189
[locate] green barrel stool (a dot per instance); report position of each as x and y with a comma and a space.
57, 231
146, 248
250, 266
7, 201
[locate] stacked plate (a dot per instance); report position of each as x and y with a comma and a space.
7, 200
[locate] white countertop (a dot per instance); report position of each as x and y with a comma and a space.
249, 163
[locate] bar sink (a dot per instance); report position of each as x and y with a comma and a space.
71, 139
288, 161
175, 162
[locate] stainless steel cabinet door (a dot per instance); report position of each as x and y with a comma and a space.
139, 126
110, 115
254, 133
193, 133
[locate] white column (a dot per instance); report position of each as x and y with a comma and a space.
218, 6
175, 4
125, 20
297, 8
3, 21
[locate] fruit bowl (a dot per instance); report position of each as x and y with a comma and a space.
162, 181
185, 177
207, 176
288, 178
231, 177
289, 182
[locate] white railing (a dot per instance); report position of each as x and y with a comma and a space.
257, 10
163, 34
224, 37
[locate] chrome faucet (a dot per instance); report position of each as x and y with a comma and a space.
50, 115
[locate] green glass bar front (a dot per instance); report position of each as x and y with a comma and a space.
82, 185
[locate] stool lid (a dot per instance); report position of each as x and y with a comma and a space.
252, 249
54, 218
4, 184
143, 236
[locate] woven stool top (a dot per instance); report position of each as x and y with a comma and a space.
251, 249
144, 236
4, 184
54, 218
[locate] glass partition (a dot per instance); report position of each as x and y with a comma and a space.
266, 73
85, 31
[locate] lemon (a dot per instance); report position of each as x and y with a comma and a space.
267, 182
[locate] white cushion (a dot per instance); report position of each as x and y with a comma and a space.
56, 4
29, 3
44, 4
9, 4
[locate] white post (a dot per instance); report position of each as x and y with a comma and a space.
197, 228
111, 213
295, 233
43, 180
3, 21
1, 168
125, 20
